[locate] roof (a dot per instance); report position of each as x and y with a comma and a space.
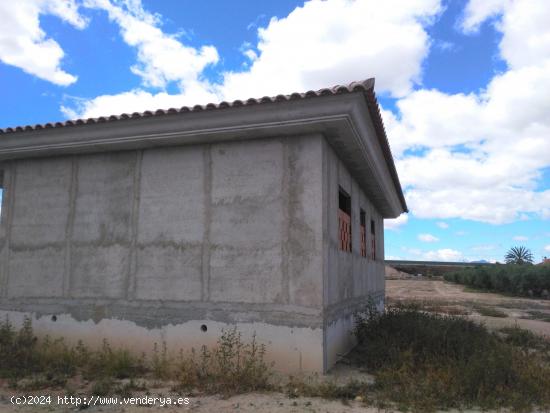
366, 87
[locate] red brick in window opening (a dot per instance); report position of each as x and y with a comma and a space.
344, 230
344, 220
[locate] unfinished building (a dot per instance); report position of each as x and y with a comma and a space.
167, 226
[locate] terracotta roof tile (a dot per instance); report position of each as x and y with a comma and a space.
365, 86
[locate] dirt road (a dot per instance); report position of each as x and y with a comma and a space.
452, 298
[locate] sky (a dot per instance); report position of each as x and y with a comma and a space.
463, 87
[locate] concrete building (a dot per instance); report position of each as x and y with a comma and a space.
171, 225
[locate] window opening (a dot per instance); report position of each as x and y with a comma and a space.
344, 220
363, 223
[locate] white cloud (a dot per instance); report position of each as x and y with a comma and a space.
412, 251
330, 42
445, 254
393, 224
133, 101
495, 205
25, 45
523, 23
442, 225
521, 238
393, 257
478, 11
547, 248
427, 238
445, 45
484, 247
162, 58
482, 157
320, 44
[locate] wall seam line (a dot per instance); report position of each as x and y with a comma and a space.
205, 253
285, 189
130, 281
9, 223
69, 226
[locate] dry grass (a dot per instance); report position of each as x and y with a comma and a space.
231, 367
489, 311
425, 361
538, 315
421, 361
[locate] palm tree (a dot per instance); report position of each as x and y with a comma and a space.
519, 255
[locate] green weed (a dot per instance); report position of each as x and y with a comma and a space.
489, 311
538, 315
424, 361
232, 367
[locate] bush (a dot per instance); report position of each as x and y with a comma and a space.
18, 354
526, 340
489, 311
305, 387
426, 361
115, 363
232, 367
523, 280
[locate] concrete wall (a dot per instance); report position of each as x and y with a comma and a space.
350, 279
151, 244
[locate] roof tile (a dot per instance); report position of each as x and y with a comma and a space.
365, 86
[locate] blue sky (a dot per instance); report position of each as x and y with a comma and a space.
462, 84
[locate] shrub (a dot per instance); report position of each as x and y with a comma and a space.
524, 280
425, 361
303, 387
116, 363
232, 367
526, 340
489, 311
18, 354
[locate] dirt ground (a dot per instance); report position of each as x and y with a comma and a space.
440, 296
253, 402
248, 403
432, 294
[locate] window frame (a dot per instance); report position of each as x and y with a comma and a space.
345, 232
363, 232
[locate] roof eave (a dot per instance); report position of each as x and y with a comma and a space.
340, 111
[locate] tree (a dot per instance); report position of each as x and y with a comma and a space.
519, 255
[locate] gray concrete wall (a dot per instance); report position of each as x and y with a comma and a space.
350, 279
218, 234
